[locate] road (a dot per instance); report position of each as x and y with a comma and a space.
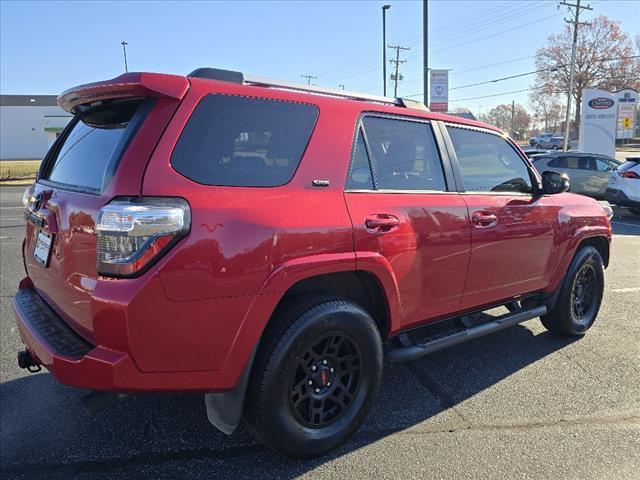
517, 404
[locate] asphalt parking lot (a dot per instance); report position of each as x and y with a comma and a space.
521, 403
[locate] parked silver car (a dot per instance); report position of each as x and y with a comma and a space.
534, 140
589, 172
550, 143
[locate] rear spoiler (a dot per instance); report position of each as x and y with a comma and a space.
136, 84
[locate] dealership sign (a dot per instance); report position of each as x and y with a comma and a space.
598, 122
601, 103
439, 91
627, 104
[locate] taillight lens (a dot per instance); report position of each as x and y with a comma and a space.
629, 174
134, 232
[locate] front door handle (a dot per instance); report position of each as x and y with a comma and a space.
484, 219
381, 223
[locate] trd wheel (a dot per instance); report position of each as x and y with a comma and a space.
316, 375
580, 296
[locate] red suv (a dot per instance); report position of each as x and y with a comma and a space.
268, 244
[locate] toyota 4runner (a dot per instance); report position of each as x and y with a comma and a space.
268, 244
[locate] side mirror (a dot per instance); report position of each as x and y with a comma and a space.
554, 182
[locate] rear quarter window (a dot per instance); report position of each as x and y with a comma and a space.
93, 144
244, 142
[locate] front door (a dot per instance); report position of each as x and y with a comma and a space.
512, 230
403, 209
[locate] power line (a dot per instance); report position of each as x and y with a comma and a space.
512, 91
369, 69
365, 65
441, 31
550, 69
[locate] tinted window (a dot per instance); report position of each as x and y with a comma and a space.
574, 163
488, 163
238, 141
360, 177
92, 147
404, 155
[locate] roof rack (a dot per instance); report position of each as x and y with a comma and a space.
239, 77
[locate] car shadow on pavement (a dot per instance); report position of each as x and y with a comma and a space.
46, 435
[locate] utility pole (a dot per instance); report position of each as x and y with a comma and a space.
124, 50
425, 49
574, 9
513, 107
397, 63
384, 49
309, 78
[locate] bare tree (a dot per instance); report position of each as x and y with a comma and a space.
547, 109
605, 58
500, 116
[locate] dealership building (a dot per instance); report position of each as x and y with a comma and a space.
29, 124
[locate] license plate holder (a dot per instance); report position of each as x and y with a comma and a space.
42, 248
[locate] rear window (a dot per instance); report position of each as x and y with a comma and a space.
243, 142
91, 148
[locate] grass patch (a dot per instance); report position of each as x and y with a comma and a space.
18, 169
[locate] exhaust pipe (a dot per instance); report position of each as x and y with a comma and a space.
94, 402
26, 360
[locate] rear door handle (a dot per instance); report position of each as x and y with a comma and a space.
484, 219
381, 223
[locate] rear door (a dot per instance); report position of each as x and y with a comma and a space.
603, 167
512, 230
404, 206
100, 155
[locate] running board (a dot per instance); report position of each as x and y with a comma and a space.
411, 352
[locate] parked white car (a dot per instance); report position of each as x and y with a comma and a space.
624, 186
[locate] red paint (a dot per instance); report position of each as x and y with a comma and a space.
192, 320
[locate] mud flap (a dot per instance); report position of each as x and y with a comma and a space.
224, 409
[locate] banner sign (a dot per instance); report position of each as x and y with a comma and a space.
439, 91
627, 102
598, 122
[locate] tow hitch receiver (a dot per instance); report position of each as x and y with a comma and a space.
25, 360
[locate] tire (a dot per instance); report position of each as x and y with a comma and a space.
575, 310
556, 147
305, 421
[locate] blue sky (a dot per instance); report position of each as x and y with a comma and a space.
46, 47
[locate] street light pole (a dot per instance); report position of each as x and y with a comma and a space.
124, 50
384, 49
425, 50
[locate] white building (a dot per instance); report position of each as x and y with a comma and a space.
29, 124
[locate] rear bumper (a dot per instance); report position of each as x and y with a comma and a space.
74, 361
618, 197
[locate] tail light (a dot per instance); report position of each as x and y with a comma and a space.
133, 233
629, 174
